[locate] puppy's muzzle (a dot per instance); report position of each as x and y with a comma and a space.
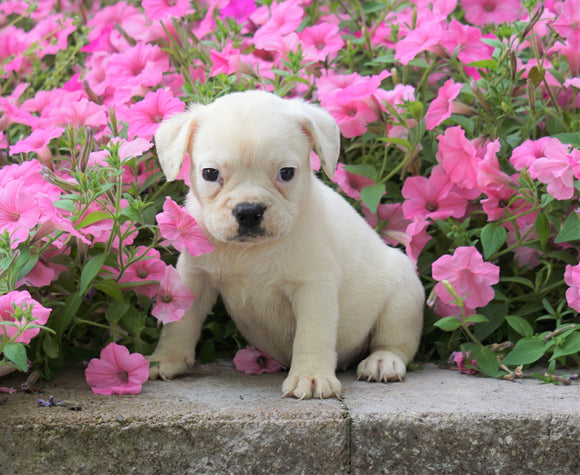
249, 217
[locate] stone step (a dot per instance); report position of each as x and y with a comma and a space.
217, 420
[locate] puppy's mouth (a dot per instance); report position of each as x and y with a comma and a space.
246, 235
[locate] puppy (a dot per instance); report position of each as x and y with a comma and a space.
303, 276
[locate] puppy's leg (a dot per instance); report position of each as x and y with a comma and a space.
312, 373
175, 352
395, 337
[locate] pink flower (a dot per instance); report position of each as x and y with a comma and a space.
460, 360
79, 114
391, 224
350, 183
252, 361
572, 279
285, 18
483, 12
442, 106
148, 268
320, 42
38, 142
458, 157
173, 299
524, 155
432, 197
352, 100
418, 237
568, 20
556, 169
469, 275
23, 301
424, 37
145, 116
163, 9
466, 42
239, 9
181, 229
117, 371
19, 211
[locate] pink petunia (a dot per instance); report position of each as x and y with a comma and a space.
148, 268
38, 142
79, 114
524, 155
441, 107
469, 276
556, 169
350, 183
252, 361
466, 42
432, 197
239, 9
458, 157
572, 279
145, 116
484, 12
393, 224
19, 211
23, 301
418, 237
164, 9
424, 37
320, 42
460, 360
117, 371
173, 299
182, 230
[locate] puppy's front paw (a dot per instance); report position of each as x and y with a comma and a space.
311, 386
169, 366
382, 366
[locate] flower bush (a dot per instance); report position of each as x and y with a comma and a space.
460, 145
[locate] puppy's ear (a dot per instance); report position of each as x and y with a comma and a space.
173, 138
323, 131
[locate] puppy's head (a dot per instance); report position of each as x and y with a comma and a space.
250, 156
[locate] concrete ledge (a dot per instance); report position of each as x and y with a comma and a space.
217, 420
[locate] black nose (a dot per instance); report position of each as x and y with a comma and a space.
249, 215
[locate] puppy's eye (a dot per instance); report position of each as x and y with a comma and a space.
286, 173
210, 174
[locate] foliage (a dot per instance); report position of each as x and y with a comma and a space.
460, 131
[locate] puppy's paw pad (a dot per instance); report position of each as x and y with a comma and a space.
316, 386
167, 367
382, 366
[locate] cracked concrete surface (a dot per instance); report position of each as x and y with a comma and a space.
216, 420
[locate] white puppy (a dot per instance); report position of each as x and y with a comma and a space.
303, 276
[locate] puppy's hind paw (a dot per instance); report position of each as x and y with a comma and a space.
307, 387
382, 366
166, 368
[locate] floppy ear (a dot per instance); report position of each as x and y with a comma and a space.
173, 138
323, 132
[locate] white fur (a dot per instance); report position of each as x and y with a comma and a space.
319, 290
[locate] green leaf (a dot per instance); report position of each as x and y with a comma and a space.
526, 351
493, 236
116, 310
371, 196
570, 231
477, 318
484, 63
542, 229
448, 324
93, 218
90, 271
487, 362
111, 288
50, 346
72, 304
571, 347
67, 205
520, 325
364, 169
569, 138
16, 353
